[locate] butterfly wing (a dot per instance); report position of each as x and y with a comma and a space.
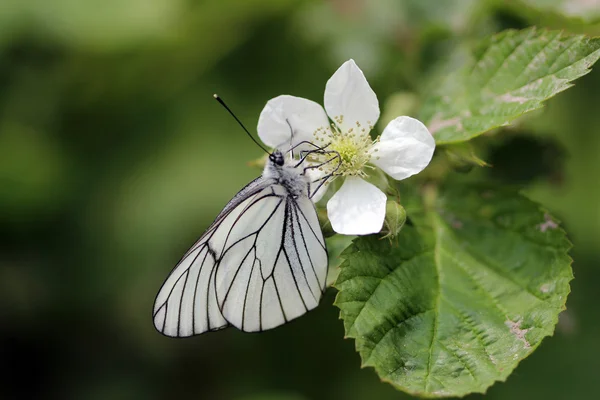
262, 263
273, 266
186, 303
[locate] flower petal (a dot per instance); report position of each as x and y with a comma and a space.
404, 149
358, 208
349, 96
304, 116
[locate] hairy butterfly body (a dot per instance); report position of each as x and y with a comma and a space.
261, 263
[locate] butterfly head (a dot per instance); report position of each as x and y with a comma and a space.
277, 158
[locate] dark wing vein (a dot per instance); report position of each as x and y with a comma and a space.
175, 284
251, 189
256, 232
262, 292
279, 298
248, 289
194, 299
187, 275
210, 279
292, 205
312, 230
296, 207
281, 249
252, 248
250, 205
296, 281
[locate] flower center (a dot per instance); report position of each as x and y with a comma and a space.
354, 146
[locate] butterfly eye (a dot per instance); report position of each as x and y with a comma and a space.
277, 158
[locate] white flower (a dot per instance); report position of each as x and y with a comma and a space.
404, 148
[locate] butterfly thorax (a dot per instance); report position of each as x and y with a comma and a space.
288, 176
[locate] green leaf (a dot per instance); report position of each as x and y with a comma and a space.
509, 74
453, 305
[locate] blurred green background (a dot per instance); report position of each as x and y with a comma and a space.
114, 158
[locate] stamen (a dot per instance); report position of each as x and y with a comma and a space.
354, 146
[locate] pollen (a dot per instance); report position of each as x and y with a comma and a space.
354, 146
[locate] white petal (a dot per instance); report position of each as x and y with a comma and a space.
314, 175
405, 148
349, 95
304, 116
358, 208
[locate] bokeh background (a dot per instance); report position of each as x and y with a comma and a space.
114, 158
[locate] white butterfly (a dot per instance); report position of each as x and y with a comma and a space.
262, 262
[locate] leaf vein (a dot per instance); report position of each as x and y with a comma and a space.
483, 261
460, 359
381, 279
467, 320
505, 61
391, 328
474, 280
436, 306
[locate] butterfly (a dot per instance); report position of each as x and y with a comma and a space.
261, 263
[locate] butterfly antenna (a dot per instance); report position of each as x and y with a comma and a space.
220, 100
291, 137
